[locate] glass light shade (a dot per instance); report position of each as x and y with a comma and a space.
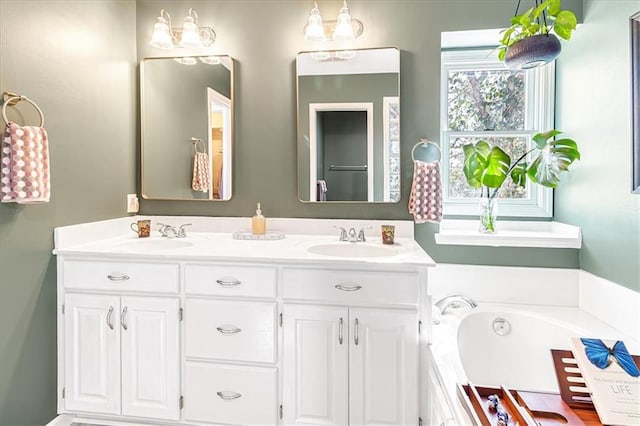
345, 54
190, 34
161, 37
187, 60
210, 60
315, 27
320, 55
344, 29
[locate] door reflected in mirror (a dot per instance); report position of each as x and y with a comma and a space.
187, 128
349, 126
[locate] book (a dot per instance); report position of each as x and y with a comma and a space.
612, 378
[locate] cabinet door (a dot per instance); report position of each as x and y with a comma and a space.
383, 367
315, 370
150, 357
92, 353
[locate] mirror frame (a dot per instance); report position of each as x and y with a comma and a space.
298, 141
142, 135
635, 102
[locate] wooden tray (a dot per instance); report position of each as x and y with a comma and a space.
526, 408
570, 381
477, 397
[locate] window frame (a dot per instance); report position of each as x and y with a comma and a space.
539, 116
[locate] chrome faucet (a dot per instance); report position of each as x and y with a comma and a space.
169, 231
454, 301
352, 236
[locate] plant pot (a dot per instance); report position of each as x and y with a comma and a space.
533, 51
488, 215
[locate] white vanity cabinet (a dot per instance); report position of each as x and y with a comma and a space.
214, 331
350, 364
121, 351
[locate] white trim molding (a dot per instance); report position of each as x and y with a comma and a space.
314, 108
510, 234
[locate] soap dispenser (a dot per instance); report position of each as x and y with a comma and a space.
258, 223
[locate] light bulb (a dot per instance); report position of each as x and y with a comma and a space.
161, 37
190, 34
315, 28
344, 29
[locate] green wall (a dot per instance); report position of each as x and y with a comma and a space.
593, 107
77, 61
264, 38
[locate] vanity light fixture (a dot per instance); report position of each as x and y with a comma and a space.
345, 27
189, 36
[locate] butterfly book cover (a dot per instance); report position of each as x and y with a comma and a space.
612, 377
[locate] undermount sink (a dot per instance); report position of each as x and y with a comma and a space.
352, 250
154, 244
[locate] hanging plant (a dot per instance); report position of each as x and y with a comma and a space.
529, 41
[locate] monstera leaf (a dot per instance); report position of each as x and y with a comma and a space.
552, 158
485, 165
490, 166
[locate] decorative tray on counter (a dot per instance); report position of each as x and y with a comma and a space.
268, 236
524, 407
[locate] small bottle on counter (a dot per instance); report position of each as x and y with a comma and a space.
258, 223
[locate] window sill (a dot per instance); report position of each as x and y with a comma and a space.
510, 234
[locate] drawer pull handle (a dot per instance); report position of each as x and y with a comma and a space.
228, 395
118, 277
123, 318
109, 322
340, 327
343, 287
229, 282
355, 333
228, 329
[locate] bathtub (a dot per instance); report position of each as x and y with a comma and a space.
501, 344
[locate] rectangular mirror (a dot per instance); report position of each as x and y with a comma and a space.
635, 102
187, 128
349, 125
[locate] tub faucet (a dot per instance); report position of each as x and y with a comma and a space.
453, 301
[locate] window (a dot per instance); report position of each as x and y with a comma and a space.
483, 100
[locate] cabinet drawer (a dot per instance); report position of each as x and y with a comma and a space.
237, 280
238, 331
121, 276
351, 287
230, 394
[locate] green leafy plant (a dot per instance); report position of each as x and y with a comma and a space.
539, 20
490, 167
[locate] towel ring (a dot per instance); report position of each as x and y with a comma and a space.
431, 151
12, 99
195, 142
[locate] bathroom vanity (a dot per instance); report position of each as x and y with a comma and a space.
211, 330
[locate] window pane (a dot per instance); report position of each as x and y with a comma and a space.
458, 187
486, 100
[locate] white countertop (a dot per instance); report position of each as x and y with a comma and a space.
113, 238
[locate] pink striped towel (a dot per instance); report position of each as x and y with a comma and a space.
425, 199
24, 161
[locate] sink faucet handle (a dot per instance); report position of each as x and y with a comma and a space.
182, 231
361, 236
343, 233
